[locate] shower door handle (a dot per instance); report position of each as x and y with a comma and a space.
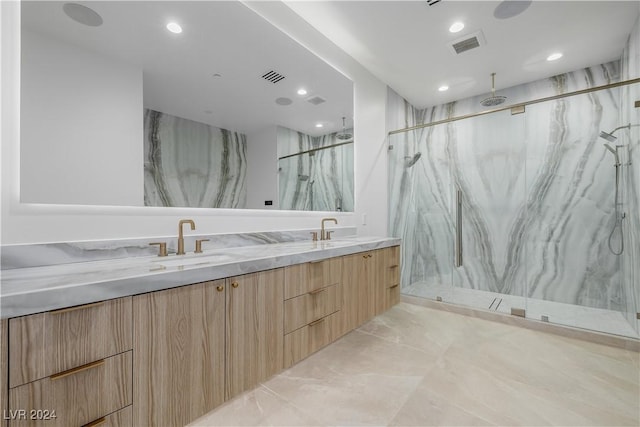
458, 243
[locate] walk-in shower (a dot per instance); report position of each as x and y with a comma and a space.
511, 209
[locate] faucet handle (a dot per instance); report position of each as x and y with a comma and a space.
199, 245
162, 248
314, 236
328, 235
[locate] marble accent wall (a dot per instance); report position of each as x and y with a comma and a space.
537, 193
631, 178
318, 181
192, 164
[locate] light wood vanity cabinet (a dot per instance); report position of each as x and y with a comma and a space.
179, 341
168, 357
314, 296
48, 343
254, 344
198, 345
70, 367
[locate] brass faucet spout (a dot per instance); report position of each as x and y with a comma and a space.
181, 236
323, 233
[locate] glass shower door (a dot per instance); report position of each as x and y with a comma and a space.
488, 162
420, 210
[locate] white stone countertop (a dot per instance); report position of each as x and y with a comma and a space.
33, 290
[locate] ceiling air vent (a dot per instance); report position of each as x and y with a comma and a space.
468, 42
272, 76
316, 100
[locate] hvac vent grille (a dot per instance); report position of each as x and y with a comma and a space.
466, 45
467, 42
272, 76
316, 100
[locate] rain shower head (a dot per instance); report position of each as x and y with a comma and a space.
609, 137
493, 100
344, 136
410, 161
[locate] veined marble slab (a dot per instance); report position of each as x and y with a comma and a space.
192, 164
33, 290
44, 254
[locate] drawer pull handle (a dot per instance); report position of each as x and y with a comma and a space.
73, 371
394, 286
220, 288
317, 291
315, 322
97, 422
235, 284
77, 307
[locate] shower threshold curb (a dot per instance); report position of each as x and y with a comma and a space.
626, 343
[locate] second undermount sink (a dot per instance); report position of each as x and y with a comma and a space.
179, 261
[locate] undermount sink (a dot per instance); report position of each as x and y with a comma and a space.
179, 261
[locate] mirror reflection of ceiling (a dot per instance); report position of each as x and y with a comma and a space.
212, 71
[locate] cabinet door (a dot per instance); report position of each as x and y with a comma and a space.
359, 291
179, 353
255, 329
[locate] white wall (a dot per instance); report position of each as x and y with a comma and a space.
81, 114
27, 223
262, 169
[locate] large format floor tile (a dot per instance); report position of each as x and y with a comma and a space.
416, 366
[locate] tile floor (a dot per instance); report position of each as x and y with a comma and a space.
416, 366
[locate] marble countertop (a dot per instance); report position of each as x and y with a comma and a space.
33, 290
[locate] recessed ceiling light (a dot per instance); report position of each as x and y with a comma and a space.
554, 56
443, 88
456, 27
318, 125
302, 91
174, 27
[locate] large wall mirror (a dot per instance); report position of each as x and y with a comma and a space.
178, 103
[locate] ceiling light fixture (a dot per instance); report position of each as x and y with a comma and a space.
554, 56
302, 91
443, 88
456, 27
174, 27
318, 125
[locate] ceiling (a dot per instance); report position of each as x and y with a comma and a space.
219, 37
406, 43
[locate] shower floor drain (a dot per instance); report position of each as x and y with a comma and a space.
495, 304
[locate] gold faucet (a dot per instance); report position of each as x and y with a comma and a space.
181, 237
323, 234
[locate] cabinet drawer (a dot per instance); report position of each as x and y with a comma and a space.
47, 343
303, 278
121, 418
78, 396
307, 308
306, 340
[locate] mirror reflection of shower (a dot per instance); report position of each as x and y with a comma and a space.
617, 227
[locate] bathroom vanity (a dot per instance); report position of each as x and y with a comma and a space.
190, 333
